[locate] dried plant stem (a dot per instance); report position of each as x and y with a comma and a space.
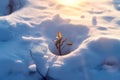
59, 50
59, 43
37, 70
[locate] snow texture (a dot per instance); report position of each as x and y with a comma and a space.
28, 28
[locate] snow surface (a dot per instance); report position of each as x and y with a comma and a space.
30, 26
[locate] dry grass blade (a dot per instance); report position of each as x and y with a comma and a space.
69, 43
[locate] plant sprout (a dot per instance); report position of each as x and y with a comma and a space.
60, 43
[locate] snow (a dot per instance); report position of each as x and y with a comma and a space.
28, 28
32, 68
10, 6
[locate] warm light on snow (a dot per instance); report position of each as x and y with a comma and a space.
69, 2
28, 50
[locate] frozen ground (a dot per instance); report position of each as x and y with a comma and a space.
30, 26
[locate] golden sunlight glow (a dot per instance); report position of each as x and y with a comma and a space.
69, 2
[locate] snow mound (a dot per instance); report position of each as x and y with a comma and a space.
94, 59
101, 56
9, 6
111, 46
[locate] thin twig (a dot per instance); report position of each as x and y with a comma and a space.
43, 77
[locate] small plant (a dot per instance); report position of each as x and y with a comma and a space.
60, 43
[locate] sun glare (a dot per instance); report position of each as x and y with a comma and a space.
68, 2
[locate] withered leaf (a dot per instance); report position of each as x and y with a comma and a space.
69, 43
65, 39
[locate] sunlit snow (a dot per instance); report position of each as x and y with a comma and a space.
28, 28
